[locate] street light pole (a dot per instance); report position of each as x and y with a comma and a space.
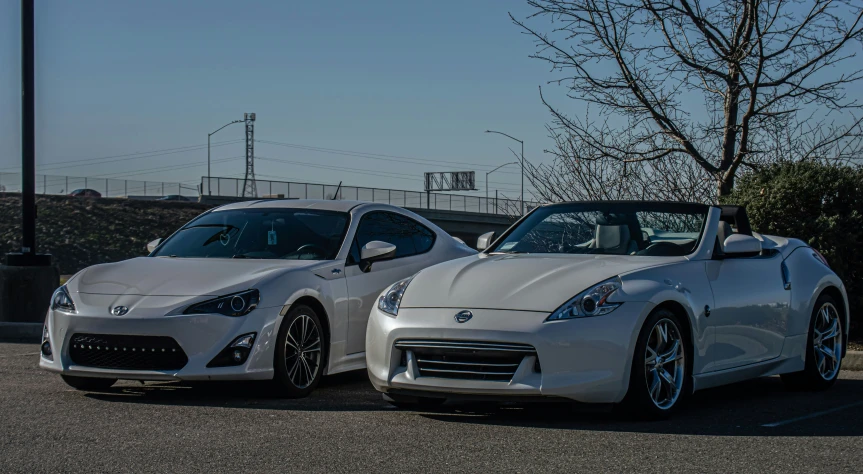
209, 188
486, 181
522, 164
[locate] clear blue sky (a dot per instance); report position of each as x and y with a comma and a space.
413, 79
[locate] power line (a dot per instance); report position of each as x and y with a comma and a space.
383, 157
129, 156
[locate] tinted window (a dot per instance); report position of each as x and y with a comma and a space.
409, 236
302, 234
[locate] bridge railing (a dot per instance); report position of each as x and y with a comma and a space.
51, 184
233, 187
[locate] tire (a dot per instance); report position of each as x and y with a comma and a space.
676, 367
814, 375
88, 384
299, 365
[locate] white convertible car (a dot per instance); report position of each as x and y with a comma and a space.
636, 303
255, 290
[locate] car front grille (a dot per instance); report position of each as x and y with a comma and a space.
497, 361
127, 352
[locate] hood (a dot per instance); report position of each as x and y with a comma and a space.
527, 282
156, 276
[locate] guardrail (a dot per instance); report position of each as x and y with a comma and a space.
233, 187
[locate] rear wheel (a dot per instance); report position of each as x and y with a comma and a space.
88, 383
824, 349
660, 374
300, 354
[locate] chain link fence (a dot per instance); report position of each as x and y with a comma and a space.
233, 187
48, 184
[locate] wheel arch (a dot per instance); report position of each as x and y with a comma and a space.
321, 311
837, 295
678, 309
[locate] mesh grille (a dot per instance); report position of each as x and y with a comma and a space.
127, 352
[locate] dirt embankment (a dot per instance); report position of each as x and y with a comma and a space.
80, 232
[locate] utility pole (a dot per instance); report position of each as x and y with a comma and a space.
250, 188
28, 279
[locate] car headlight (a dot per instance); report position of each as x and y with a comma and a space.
591, 302
61, 301
237, 304
389, 302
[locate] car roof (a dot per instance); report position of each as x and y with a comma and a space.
321, 204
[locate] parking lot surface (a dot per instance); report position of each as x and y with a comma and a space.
755, 426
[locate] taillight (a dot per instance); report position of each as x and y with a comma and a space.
820, 257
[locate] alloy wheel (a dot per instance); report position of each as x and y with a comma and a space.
827, 341
664, 364
303, 351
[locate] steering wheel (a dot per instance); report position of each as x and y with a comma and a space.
315, 250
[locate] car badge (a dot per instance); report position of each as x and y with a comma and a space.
463, 316
119, 310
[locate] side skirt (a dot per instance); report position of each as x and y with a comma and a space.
792, 359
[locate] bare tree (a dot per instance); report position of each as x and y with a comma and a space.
696, 89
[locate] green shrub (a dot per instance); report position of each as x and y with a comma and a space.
817, 203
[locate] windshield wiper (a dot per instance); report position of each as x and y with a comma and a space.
239, 255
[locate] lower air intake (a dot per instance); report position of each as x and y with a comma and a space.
127, 352
497, 361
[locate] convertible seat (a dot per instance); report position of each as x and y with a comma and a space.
614, 239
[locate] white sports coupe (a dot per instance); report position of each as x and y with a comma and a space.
631, 303
271, 289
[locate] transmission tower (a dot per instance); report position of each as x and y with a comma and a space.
250, 189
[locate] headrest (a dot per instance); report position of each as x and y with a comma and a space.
611, 236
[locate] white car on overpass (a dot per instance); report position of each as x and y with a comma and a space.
638, 303
270, 289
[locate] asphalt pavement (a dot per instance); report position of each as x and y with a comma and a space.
344, 426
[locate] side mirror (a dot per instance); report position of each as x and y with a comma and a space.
152, 245
484, 241
375, 251
737, 244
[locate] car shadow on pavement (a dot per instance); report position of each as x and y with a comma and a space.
760, 407
742, 409
349, 391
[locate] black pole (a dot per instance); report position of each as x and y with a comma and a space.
28, 145
28, 256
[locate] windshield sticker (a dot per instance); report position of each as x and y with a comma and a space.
508, 245
225, 239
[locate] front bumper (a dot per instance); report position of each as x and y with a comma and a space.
201, 337
585, 359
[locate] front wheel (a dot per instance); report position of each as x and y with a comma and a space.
660, 375
300, 353
824, 349
88, 384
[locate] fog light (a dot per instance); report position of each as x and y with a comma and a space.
236, 353
46, 344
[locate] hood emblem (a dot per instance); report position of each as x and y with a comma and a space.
119, 310
463, 316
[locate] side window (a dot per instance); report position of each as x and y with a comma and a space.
409, 237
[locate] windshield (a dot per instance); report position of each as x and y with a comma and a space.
615, 228
297, 234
